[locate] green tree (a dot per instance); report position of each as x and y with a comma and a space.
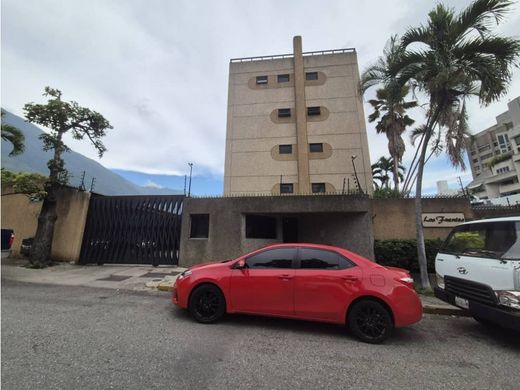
381, 171
14, 136
451, 58
390, 105
59, 117
31, 184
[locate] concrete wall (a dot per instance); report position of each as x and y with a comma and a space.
21, 215
254, 129
395, 218
337, 220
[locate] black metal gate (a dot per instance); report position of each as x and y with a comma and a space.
133, 230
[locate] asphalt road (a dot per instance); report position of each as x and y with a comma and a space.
56, 337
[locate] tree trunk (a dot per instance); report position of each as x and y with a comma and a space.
396, 174
42, 244
421, 248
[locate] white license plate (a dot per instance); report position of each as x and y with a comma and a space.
461, 302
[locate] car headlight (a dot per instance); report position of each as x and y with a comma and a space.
440, 281
184, 274
509, 299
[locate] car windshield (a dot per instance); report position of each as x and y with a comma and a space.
497, 240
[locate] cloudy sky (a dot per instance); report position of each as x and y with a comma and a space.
158, 69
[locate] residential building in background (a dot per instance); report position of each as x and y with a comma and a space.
296, 125
494, 156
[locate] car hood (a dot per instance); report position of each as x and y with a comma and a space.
210, 264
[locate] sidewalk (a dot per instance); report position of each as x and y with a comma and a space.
121, 277
138, 278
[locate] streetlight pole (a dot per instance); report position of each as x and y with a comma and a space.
189, 185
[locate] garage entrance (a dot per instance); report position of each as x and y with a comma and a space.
133, 230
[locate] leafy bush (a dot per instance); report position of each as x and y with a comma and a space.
403, 253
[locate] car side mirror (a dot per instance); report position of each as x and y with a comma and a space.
240, 264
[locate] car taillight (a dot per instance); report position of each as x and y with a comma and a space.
11, 240
407, 281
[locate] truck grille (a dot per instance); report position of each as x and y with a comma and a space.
470, 290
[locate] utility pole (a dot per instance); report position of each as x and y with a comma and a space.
189, 185
184, 185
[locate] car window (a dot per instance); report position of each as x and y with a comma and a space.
322, 259
486, 240
274, 258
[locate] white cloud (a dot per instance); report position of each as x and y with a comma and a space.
152, 184
159, 71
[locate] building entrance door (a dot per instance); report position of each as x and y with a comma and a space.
290, 229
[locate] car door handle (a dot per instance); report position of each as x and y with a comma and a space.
286, 276
349, 278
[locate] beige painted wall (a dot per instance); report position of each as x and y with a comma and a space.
252, 134
395, 218
21, 215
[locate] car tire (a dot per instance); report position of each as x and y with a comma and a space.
207, 304
370, 321
486, 323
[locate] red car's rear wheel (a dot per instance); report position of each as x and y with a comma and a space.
370, 321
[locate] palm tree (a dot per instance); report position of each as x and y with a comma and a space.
451, 58
389, 105
14, 136
393, 122
381, 170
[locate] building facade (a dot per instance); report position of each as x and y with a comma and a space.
295, 125
495, 156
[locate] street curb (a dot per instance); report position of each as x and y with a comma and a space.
445, 311
165, 286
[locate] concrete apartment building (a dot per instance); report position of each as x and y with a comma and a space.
495, 156
296, 125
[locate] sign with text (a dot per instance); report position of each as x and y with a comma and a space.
442, 219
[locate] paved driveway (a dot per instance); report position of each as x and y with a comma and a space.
61, 337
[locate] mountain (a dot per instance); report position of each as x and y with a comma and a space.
34, 159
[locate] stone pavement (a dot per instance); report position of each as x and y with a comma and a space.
123, 277
138, 277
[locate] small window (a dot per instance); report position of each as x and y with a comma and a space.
322, 259
260, 226
199, 226
286, 188
285, 149
275, 258
261, 79
314, 110
283, 78
318, 188
311, 76
316, 148
284, 112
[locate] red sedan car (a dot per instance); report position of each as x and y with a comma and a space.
303, 281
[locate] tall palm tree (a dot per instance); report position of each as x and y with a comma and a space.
389, 108
381, 170
390, 105
14, 136
451, 58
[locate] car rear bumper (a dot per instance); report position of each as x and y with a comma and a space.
502, 317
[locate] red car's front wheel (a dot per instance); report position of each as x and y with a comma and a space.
207, 304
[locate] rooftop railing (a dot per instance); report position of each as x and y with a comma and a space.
306, 54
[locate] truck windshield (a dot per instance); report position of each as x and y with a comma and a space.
498, 240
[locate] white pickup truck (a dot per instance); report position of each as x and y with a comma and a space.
478, 269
